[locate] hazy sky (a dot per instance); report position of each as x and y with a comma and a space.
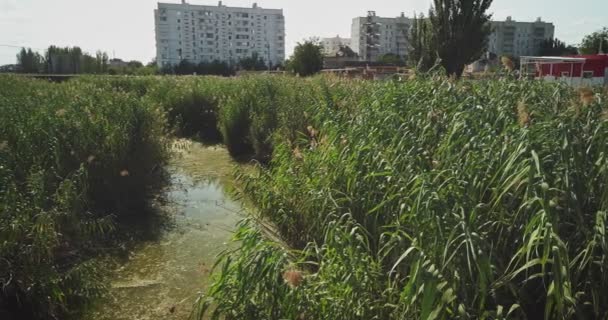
126, 27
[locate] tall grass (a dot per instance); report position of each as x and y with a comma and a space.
425, 199
190, 104
75, 159
428, 200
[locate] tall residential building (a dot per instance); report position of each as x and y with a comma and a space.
518, 39
331, 46
198, 33
373, 36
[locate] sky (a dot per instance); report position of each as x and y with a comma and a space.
125, 28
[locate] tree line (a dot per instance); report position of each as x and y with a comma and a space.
219, 68
73, 60
57, 60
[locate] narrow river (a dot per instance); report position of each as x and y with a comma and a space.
162, 278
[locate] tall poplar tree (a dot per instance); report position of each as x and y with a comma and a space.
460, 31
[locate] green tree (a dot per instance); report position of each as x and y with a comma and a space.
460, 31
422, 53
595, 42
76, 56
346, 51
555, 47
102, 61
253, 63
215, 67
29, 61
392, 59
307, 58
135, 64
74, 61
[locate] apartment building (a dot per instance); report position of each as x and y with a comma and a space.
199, 33
373, 36
518, 39
331, 46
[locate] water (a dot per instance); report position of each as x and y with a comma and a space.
162, 278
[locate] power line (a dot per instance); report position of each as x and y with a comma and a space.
8, 45
18, 47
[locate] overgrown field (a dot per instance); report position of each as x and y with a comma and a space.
423, 199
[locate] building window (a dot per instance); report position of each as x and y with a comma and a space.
587, 74
566, 74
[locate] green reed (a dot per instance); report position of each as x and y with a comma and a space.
426, 199
75, 159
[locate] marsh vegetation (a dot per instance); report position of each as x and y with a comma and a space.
428, 198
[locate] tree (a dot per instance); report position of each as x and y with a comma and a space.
135, 64
346, 51
422, 53
253, 63
460, 31
391, 59
595, 42
102, 61
307, 58
75, 55
74, 61
29, 61
555, 47
186, 67
216, 67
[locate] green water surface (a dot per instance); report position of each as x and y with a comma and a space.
161, 278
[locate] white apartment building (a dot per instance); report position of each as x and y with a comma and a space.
198, 33
373, 36
331, 46
518, 39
